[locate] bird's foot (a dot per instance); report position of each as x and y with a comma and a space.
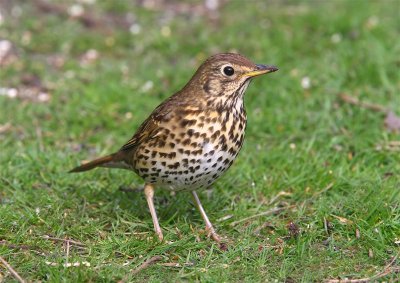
160, 235
212, 234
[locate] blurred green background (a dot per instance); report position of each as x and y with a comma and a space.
322, 143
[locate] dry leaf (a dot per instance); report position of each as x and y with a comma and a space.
342, 219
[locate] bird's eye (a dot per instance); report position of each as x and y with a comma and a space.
228, 71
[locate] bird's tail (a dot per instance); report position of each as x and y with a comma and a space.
105, 161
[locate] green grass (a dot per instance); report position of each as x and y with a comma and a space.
321, 152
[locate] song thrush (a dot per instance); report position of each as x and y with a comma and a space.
194, 136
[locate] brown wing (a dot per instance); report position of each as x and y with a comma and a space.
150, 127
163, 113
146, 131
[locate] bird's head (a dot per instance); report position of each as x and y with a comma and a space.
225, 77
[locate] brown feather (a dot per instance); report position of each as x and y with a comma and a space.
102, 161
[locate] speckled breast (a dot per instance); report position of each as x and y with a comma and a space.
193, 151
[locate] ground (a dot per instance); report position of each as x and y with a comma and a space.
313, 196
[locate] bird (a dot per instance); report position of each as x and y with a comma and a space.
193, 137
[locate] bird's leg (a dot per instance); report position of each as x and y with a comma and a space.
149, 193
209, 228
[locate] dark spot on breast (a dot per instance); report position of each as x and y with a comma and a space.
222, 139
215, 135
161, 143
180, 150
197, 152
171, 155
186, 142
174, 166
154, 153
188, 123
232, 151
172, 145
223, 128
190, 132
219, 159
163, 163
153, 162
163, 154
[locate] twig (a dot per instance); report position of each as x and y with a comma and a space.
355, 101
226, 217
12, 270
259, 228
39, 135
67, 253
328, 187
144, 265
268, 212
13, 246
386, 271
47, 237
367, 279
282, 193
176, 264
147, 263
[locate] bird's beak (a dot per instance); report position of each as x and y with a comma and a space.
261, 70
